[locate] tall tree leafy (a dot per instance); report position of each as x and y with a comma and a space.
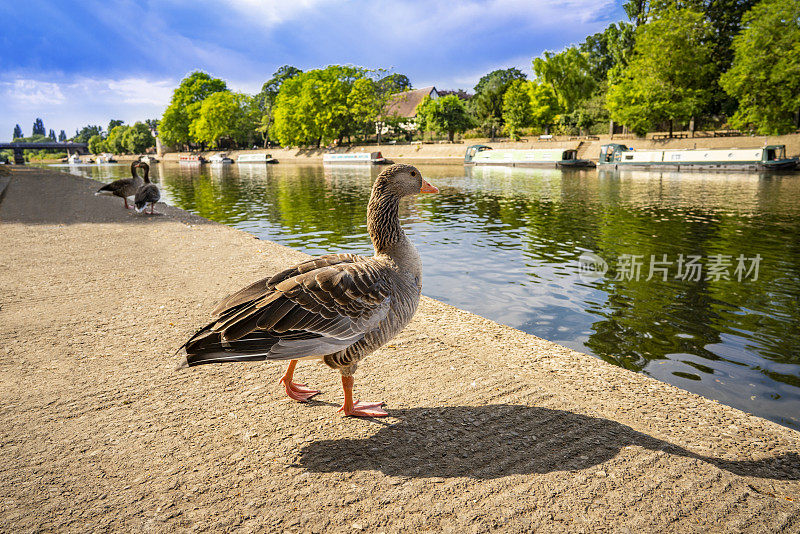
96, 144
312, 107
394, 83
86, 132
113, 123
114, 141
185, 106
38, 127
446, 114
487, 104
17, 132
516, 107
544, 104
364, 104
137, 138
568, 73
765, 76
669, 74
265, 99
52, 135
225, 116
62, 136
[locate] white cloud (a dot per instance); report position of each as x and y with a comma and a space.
270, 13
141, 91
32, 93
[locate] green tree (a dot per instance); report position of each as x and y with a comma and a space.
113, 123
185, 106
364, 104
96, 144
667, 77
312, 107
114, 142
62, 136
137, 138
225, 116
610, 48
52, 135
569, 74
394, 83
516, 107
544, 104
265, 99
765, 76
38, 127
87, 132
17, 132
487, 104
446, 114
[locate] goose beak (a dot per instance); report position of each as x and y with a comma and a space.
427, 188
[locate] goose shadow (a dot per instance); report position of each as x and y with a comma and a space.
485, 442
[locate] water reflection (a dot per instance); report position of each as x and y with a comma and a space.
504, 243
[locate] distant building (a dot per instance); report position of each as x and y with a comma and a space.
405, 104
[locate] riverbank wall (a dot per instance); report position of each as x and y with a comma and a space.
454, 152
490, 429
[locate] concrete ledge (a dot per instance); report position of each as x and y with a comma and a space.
490, 428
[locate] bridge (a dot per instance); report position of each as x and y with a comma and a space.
19, 159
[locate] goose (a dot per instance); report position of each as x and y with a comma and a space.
125, 187
337, 308
148, 193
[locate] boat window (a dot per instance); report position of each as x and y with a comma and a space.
770, 154
628, 156
568, 154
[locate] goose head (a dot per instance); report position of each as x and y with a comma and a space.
400, 180
146, 167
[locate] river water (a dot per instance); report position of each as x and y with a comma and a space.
692, 278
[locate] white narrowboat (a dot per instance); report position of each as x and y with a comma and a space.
256, 158
74, 159
105, 157
517, 157
191, 159
148, 159
355, 158
219, 159
770, 157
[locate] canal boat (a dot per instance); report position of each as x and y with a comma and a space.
106, 158
74, 159
367, 158
191, 159
148, 159
770, 157
256, 158
518, 157
220, 159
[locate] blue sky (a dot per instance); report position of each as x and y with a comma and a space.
77, 63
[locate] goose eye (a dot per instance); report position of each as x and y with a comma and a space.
413, 173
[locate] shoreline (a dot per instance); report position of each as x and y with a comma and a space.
489, 428
454, 152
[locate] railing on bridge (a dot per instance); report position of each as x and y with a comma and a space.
19, 158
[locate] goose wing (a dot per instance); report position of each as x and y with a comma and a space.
299, 313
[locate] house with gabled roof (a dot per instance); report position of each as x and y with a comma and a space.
405, 104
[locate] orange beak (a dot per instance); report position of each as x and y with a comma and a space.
427, 188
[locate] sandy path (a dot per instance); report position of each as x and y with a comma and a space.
490, 428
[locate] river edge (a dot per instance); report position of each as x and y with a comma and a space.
489, 427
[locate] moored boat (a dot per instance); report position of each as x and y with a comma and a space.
519, 157
106, 158
148, 159
769, 157
220, 159
74, 159
355, 158
256, 158
191, 159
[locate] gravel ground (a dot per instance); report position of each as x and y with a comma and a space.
489, 428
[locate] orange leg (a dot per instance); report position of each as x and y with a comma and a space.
358, 409
295, 391
126, 203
